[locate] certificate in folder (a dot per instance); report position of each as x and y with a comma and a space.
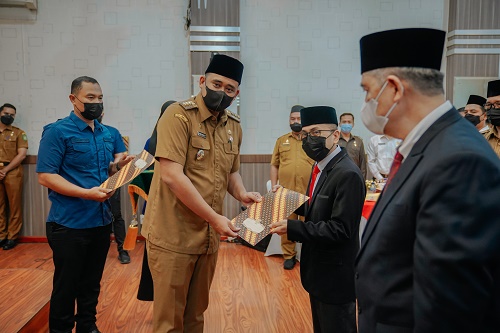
131, 170
255, 222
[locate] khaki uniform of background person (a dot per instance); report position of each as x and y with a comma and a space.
292, 168
198, 161
13, 149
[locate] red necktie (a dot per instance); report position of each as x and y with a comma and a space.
313, 180
398, 158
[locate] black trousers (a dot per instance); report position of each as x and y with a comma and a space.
333, 318
118, 222
79, 256
146, 289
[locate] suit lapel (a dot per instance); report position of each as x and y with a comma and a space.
406, 169
324, 174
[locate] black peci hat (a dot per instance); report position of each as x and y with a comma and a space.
226, 66
493, 88
318, 115
413, 47
296, 108
475, 99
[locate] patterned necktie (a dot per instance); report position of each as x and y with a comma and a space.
313, 180
398, 158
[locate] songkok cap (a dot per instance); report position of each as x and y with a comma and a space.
318, 115
493, 88
475, 99
413, 47
226, 66
296, 108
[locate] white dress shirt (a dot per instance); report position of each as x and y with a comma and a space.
324, 162
419, 130
381, 150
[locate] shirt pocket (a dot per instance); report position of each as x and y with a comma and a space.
109, 150
231, 152
285, 153
80, 153
198, 153
10, 146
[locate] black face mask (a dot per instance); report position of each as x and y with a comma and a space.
296, 127
473, 119
315, 147
494, 116
217, 100
7, 119
91, 111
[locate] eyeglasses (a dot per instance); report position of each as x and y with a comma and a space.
495, 105
315, 133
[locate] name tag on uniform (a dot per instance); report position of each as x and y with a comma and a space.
381, 143
203, 135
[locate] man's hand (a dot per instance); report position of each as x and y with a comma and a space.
2, 174
98, 194
275, 188
249, 198
222, 225
124, 160
279, 227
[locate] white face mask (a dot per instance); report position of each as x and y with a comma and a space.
372, 121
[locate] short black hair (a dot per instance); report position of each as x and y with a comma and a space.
346, 114
8, 105
76, 85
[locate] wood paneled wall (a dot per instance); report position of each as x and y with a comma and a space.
254, 171
466, 16
474, 14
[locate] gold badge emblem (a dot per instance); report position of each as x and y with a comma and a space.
181, 116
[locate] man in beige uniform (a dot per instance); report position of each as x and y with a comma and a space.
292, 168
492, 108
198, 161
352, 143
13, 149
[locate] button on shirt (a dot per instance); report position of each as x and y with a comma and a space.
71, 149
208, 149
381, 150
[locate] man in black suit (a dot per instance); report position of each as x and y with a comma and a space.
330, 231
430, 253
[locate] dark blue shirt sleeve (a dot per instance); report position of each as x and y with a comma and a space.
51, 151
119, 145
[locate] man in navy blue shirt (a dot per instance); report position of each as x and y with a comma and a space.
75, 156
119, 149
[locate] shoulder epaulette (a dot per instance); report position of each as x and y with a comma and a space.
233, 116
188, 104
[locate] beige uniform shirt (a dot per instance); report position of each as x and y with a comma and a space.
11, 139
493, 138
208, 148
356, 151
294, 166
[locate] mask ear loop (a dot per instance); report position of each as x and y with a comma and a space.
381, 90
393, 105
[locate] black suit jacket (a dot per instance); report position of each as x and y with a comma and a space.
330, 232
430, 254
